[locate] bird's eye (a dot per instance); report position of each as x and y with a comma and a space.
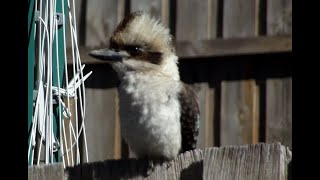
133, 50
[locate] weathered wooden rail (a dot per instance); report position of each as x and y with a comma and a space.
256, 161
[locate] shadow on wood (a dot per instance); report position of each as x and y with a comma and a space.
254, 161
195, 171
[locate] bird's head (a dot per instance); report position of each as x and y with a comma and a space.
140, 43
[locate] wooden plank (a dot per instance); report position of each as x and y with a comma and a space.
240, 18
234, 46
279, 91
102, 17
205, 96
156, 8
212, 26
101, 20
101, 113
190, 28
259, 161
279, 111
239, 121
49, 172
117, 135
195, 26
67, 135
100, 123
213, 48
279, 17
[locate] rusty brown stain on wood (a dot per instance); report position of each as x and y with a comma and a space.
255, 114
67, 146
117, 129
237, 125
239, 113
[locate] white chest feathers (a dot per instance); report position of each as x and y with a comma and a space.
150, 115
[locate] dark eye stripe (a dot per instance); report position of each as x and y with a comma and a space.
152, 57
138, 52
133, 50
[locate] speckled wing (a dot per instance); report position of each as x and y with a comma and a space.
190, 117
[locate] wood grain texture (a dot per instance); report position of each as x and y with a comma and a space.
238, 116
213, 48
101, 20
205, 96
240, 18
233, 46
239, 121
197, 21
156, 8
192, 20
279, 17
279, 111
101, 113
49, 172
100, 123
68, 136
258, 161
279, 91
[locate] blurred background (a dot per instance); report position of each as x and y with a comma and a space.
236, 54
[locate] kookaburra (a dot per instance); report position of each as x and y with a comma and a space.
159, 114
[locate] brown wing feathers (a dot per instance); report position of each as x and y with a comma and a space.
190, 116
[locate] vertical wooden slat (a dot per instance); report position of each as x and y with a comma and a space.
121, 10
212, 19
100, 123
117, 130
192, 20
240, 18
53, 171
279, 17
198, 21
157, 8
279, 111
239, 118
68, 135
103, 130
101, 20
100, 112
279, 91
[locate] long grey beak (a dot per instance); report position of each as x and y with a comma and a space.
108, 55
